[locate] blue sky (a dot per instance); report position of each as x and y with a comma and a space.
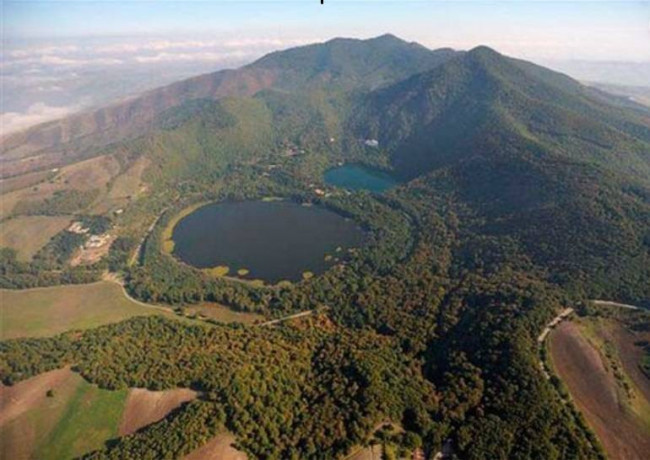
543, 29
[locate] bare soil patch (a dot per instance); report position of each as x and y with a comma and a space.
595, 392
367, 453
218, 448
144, 407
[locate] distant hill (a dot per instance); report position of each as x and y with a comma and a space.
638, 94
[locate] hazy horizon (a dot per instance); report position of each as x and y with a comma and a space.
62, 57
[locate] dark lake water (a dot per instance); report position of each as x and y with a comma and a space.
357, 177
275, 241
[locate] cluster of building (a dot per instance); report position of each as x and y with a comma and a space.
97, 241
94, 241
319, 191
77, 227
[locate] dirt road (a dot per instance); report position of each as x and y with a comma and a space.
294, 316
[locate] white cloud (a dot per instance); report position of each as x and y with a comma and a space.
57, 61
200, 56
35, 114
78, 62
43, 50
265, 42
154, 45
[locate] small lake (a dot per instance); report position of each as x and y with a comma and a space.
272, 241
358, 177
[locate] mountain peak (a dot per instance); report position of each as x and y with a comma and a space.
388, 37
484, 51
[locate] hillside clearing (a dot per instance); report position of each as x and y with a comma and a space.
28, 234
22, 181
223, 314
84, 176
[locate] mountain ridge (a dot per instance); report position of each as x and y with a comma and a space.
81, 135
483, 90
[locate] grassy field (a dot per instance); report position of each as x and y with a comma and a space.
78, 418
25, 180
28, 234
91, 417
49, 311
129, 184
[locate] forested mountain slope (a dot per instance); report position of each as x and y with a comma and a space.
483, 103
534, 156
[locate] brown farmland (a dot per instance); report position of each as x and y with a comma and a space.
218, 448
144, 407
596, 393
